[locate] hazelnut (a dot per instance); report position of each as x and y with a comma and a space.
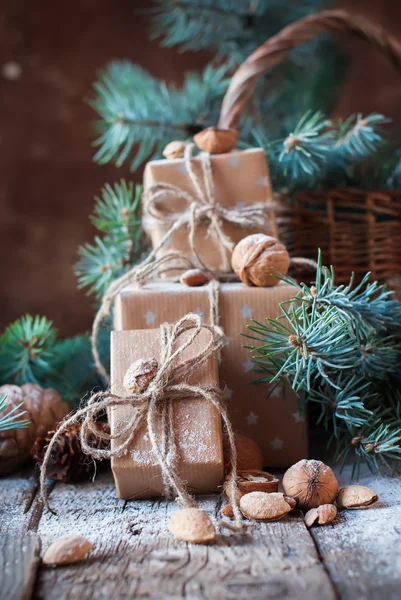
216, 141
311, 483
249, 454
252, 481
264, 507
192, 525
67, 550
356, 496
322, 515
139, 375
194, 278
174, 149
259, 259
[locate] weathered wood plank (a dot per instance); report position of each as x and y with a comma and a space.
19, 548
136, 557
362, 549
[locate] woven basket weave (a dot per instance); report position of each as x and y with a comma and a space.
357, 230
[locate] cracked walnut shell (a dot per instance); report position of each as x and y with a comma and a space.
259, 259
311, 483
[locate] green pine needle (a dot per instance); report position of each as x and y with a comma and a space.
12, 420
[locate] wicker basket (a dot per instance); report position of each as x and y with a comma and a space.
357, 230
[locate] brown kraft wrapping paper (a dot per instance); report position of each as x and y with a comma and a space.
240, 178
274, 422
198, 428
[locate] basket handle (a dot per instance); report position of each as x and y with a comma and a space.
274, 50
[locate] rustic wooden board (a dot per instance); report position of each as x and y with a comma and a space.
362, 549
19, 548
136, 557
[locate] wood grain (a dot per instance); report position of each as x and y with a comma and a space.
19, 548
362, 548
135, 556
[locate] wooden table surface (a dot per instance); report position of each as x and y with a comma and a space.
357, 557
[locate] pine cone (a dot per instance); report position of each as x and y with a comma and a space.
67, 462
45, 408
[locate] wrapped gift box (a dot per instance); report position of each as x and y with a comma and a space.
274, 422
241, 178
197, 430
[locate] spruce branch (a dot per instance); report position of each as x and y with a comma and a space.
360, 137
339, 347
13, 418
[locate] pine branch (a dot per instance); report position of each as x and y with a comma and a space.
117, 213
12, 420
339, 347
140, 115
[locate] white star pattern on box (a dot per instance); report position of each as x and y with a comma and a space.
234, 161
277, 444
298, 417
252, 419
248, 365
199, 311
246, 312
228, 394
226, 340
150, 317
263, 181
181, 168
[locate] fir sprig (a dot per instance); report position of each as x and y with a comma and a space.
13, 418
339, 347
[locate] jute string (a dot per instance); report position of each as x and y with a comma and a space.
154, 407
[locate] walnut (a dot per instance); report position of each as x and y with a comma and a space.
311, 483
192, 525
174, 149
140, 374
194, 278
252, 481
259, 259
216, 141
249, 454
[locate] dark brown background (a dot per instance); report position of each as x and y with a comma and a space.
47, 178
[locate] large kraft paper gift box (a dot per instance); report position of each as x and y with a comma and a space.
197, 423
274, 422
240, 179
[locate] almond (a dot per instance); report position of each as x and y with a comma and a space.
251, 480
66, 551
323, 515
264, 507
192, 525
194, 278
174, 149
216, 141
228, 511
356, 496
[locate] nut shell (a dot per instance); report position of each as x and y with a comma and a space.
258, 260
67, 550
264, 507
322, 515
356, 496
140, 374
249, 454
216, 141
311, 483
194, 278
192, 525
174, 149
252, 481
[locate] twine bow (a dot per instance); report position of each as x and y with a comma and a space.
154, 407
202, 208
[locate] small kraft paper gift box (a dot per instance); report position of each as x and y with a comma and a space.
197, 423
221, 197
274, 422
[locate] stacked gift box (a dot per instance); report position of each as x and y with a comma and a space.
268, 416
